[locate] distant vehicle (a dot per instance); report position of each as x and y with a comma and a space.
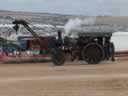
50, 44
10, 48
119, 39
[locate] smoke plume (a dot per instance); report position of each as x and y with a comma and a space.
76, 23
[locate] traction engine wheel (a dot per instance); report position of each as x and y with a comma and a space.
93, 53
58, 57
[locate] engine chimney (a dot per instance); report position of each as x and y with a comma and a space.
60, 41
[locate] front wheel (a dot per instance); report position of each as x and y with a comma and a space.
58, 57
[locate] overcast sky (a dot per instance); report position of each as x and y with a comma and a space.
77, 7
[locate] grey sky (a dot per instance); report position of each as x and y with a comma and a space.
78, 7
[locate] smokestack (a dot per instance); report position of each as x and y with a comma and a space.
60, 36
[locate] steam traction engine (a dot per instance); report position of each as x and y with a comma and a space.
91, 47
95, 47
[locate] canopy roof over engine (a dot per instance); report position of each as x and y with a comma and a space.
95, 34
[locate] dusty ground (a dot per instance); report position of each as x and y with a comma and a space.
72, 79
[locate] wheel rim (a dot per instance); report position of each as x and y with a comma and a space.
93, 53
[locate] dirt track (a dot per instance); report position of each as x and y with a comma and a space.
106, 79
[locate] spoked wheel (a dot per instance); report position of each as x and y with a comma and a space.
58, 57
93, 53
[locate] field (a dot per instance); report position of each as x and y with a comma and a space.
72, 79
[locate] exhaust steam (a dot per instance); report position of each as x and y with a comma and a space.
77, 23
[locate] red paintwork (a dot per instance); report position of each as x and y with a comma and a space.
121, 54
22, 58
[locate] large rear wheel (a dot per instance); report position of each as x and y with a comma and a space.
93, 53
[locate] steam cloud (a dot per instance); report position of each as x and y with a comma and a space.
77, 23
